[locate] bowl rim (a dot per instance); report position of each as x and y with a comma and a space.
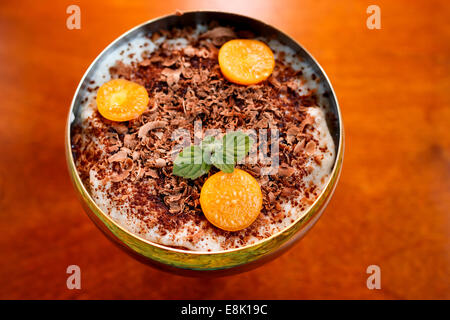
337, 164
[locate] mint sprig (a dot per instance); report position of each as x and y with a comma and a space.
196, 160
190, 163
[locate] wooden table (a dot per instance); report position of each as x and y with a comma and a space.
392, 204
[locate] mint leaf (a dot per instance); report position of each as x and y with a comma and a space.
190, 163
235, 146
224, 153
210, 143
237, 143
218, 162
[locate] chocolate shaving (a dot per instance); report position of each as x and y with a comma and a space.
219, 35
310, 147
119, 127
150, 126
286, 171
125, 170
118, 157
172, 76
129, 141
299, 147
159, 163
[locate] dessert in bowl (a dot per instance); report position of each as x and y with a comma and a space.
150, 132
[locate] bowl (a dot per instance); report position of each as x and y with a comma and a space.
192, 262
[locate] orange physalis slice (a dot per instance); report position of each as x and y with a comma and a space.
244, 61
121, 100
231, 201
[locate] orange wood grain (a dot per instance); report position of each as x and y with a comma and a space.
391, 207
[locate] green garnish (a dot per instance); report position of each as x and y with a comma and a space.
196, 160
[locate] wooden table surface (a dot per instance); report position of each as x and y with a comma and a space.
392, 204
